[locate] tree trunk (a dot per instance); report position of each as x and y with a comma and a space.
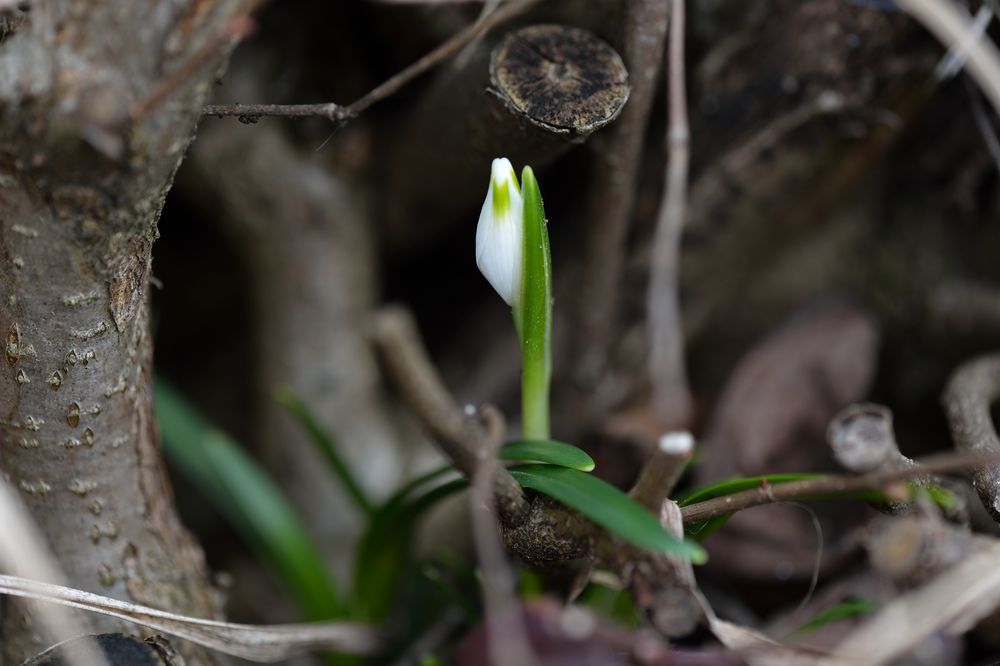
98, 101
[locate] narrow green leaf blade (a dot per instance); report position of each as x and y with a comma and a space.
385, 552
730, 486
535, 320
252, 503
412, 486
607, 506
701, 530
275, 526
547, 451
290, 401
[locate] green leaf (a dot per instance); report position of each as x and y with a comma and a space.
607, 506
699, 531
616, 604
731, 486
384, 557
288, 399
547, 451
275, 525
412, 486
255, 507
530, 584
842, 611
534, 321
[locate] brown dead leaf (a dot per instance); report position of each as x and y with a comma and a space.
771, 418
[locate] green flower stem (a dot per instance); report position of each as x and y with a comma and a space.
534, 320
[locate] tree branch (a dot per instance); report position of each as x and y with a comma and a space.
250, 112
531, 97
967, 399
671, 397
831, 485
341, 114
956, 31
461, 437
237, 29
660, 473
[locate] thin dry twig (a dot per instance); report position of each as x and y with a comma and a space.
983, 122
952, 602
671, 396
261, 643
958, 32
953, 61
329, 110
24, 553
832, 485
508, 642
460, 435
235, 30
753, 647
663, 469
967, 400
341, 114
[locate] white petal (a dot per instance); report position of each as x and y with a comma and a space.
500, 233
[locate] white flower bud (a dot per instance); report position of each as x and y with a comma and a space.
500, 233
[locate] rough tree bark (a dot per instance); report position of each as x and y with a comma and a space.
98, 101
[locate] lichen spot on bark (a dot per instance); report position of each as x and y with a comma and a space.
12, 345
126, 289
73, 415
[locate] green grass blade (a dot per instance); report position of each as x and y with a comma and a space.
607, 506
842, 611
401, 495
290, 401
384, 556
547, 451
255, 507
275, 526
536, 313
384, 551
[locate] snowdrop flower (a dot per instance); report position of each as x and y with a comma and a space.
499, 236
